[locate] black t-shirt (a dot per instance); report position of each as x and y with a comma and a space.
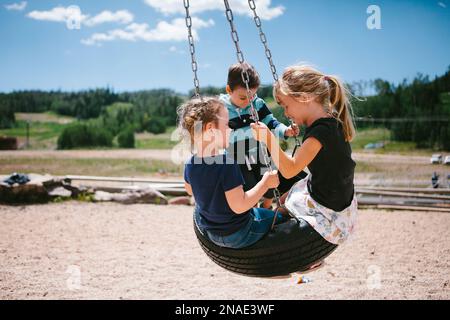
332, 170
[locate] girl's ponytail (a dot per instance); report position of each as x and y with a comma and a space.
340, 105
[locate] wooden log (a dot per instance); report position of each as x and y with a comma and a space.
147, 195
403, 194
409, 208
410, 190
121, 179
186, 201
165, 191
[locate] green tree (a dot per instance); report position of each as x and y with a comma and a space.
156, 126
126, 138
83, 135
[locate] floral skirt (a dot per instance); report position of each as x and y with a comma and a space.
333, 226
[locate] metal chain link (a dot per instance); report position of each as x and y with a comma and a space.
273, 69
246, 79
240, 57
263, 38
194, 64
244, 74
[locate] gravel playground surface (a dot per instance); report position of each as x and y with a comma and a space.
79, 250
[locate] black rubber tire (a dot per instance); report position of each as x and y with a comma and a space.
290, 247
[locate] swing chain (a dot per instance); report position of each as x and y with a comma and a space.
246, 79
194, 64
263, 38
273, 69
240, 57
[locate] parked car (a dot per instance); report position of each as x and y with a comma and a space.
447, 160
436, 159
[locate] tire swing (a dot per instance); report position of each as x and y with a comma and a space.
289, 247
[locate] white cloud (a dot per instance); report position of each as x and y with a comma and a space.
63, 14
443, 5
263, 7
164, 31
121, 16
16, 6
57, 14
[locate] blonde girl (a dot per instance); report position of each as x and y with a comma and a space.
326, 198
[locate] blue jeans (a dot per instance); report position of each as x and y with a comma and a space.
259, 224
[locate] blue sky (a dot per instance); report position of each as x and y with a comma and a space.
138, 44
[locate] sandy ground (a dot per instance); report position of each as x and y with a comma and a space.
110, 251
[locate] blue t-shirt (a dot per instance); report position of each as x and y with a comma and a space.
210, 178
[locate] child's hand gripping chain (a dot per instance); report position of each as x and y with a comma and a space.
271, 179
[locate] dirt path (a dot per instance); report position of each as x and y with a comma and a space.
90, 154
165, 154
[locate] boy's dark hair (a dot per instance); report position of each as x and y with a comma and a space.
235, 76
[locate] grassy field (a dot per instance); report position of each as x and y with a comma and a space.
156, 141
44, 117
46, 127
366, 136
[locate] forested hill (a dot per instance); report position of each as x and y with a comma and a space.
421, 97
88, 104
416, 110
